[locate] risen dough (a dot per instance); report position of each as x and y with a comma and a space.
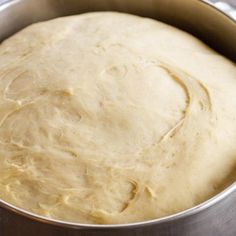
113, 118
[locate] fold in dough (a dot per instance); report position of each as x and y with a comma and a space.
112, 118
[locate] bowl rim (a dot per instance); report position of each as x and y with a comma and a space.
180, 215
177, 216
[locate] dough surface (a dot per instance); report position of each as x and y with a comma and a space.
112, 118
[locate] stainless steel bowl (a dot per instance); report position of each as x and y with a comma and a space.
215, 217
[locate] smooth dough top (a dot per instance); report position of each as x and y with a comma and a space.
112, 118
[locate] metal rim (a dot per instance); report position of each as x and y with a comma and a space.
191, 211
211, 4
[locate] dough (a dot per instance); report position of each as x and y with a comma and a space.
112, 118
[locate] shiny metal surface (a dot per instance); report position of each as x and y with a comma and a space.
215, 217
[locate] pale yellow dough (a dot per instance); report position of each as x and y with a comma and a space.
113, 118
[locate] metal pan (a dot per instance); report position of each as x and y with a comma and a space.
215, 217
